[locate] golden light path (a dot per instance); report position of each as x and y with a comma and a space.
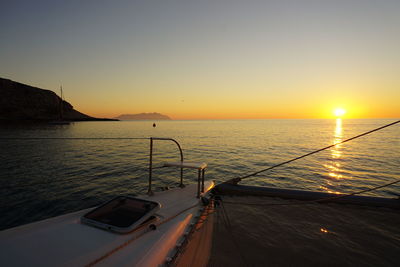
334, 167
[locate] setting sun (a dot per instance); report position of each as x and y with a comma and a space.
339, 112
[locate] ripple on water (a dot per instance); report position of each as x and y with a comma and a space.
40, 179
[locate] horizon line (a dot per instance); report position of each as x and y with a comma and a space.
203, 119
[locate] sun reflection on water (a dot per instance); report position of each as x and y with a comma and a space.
334, 166
336, 153
323, 230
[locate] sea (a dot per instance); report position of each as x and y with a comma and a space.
50, 170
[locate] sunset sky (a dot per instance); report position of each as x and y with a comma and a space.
216, 59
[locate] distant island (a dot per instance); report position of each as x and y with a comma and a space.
143, 116
25, 103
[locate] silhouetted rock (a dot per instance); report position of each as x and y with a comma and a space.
143, 116
21, 102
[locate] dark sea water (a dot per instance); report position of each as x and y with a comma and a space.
45, 178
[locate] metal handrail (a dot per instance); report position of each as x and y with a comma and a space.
149, 191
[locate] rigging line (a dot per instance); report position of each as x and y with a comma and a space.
236, 180
87, 180
69, 179
228, 227
317, 200
74, 138
359, 192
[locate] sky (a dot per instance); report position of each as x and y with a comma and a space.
209, 59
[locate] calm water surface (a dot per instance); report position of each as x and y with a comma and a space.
45, 178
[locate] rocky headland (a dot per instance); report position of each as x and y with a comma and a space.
143, 116
21, 102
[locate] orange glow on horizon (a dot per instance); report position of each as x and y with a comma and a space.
234, 116
234, 110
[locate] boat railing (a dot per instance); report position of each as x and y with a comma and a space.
180, 164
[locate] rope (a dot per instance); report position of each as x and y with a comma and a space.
236, 180
200, 223
228, 226
359, 192
73, 179
74, 138
317, 200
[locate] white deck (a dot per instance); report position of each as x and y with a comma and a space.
64, 241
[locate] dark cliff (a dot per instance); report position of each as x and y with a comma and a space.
21, 102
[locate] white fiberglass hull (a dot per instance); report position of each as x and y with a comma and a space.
65, 241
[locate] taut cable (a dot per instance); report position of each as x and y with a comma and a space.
238, 179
